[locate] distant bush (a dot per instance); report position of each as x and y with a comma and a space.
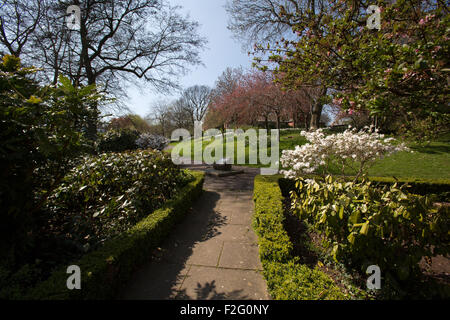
129, 121
153, 141
118, 140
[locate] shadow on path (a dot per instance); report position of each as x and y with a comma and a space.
191, 254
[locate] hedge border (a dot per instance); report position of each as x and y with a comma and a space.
438, 187
105, 270
286, 278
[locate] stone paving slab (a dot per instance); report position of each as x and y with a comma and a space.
204, 253
165, 282
204, 283
241, 219
238, 255
237, 233
212, 253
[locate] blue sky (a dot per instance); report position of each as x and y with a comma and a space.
222, 51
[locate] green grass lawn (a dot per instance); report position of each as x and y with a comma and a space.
426, 162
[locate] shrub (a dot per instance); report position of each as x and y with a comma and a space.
153, 141
118, 140
109, 193
352, 148
364, 225
107, 269
41, 133
440, 188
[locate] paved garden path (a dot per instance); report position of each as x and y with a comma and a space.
212, 253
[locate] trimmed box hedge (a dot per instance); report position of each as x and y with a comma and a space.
438, 187
105, 270
286, 278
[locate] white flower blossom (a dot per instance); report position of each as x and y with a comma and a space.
362, 147
147, 140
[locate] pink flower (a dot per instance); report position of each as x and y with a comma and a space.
350, 112
437, 48
337, 101
422, 22
429, 17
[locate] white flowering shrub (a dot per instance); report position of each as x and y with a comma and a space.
153, 141
350, 149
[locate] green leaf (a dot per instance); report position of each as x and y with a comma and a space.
65, 83
365, 228
351, 238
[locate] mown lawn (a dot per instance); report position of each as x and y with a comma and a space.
425, 162
430, 161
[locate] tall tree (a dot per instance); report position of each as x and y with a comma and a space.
257, 97
161, 113
180, 116
397, 72
270, 23
195, 101
118, 42
259, 21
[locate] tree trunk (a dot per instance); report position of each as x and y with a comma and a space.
91, 130
316, 110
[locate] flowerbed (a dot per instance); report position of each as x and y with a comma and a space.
366, 225
362, 223
109, 193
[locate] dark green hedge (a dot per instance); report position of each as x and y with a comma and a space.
104, 271
286, 278
439, 187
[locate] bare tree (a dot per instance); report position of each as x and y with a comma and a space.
259, 21
179, 115
117, 41
162, 114
195, 100
18, 22
140, 39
